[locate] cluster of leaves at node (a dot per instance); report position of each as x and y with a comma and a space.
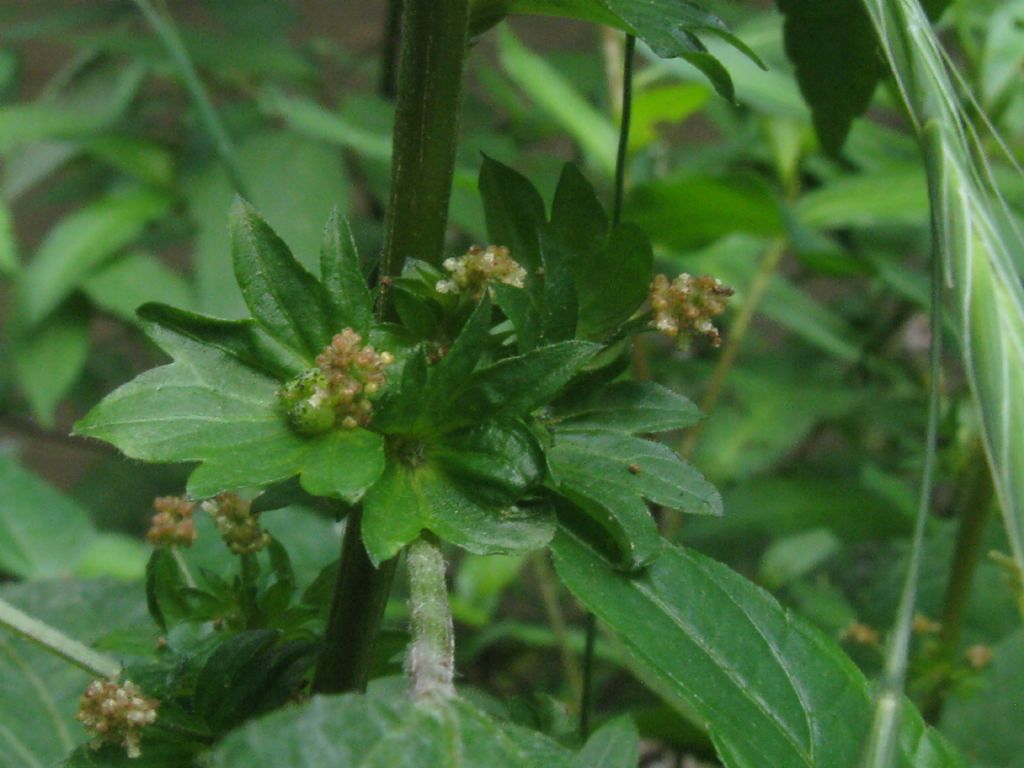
502, 413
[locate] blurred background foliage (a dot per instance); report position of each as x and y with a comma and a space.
112, 194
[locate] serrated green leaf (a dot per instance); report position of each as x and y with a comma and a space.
294, 183
281, 295
348, 296
521, 310
517, 385
607, 465
514, 212
407, 500
557, 297
634, 407
207, 407
773, 690
79, 244
608, 475
244, 340
43, 533
128, 282
49, 358
248, 675
385, 729
38, 691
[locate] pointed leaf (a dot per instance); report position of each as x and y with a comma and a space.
517, 385
772, 689
634, 407
244, 340
348, 297
616, 744
514, 211
207, 407
282, 296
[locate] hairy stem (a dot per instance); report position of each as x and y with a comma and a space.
56, 642
433, 52
431, 662
387, 85
164, 28
357, 607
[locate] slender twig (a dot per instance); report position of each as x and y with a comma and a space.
737, 332
624, 124
248, 573
556, 619
165, 29
882, 740
56, 642
431, 661
975, 509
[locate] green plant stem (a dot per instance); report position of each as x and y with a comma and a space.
165, 29
737, 333
433, 52
56, 642
549, 597
587, 700
431, 662
975, 507
357, 607
387, 85
627, 114
248, 573
883, 736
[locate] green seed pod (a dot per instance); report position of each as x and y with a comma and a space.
307, 403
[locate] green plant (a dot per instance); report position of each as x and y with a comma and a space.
348, 417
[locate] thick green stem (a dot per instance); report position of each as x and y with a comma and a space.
248, 574
357, 607
56, 642
434, 41
431, 662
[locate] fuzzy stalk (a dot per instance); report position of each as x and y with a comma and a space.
357, 607
56, 642
431, 660
433, 53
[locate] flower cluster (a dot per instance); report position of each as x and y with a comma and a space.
239, 527
480, 266
686, 305
115, 714
340, 389
172, 525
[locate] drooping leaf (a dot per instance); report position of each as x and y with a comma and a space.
38, 691
43, 534
79, 244
385, 728
348, 296
281, 295
633, 407
207, 407
772, 690
610, 474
